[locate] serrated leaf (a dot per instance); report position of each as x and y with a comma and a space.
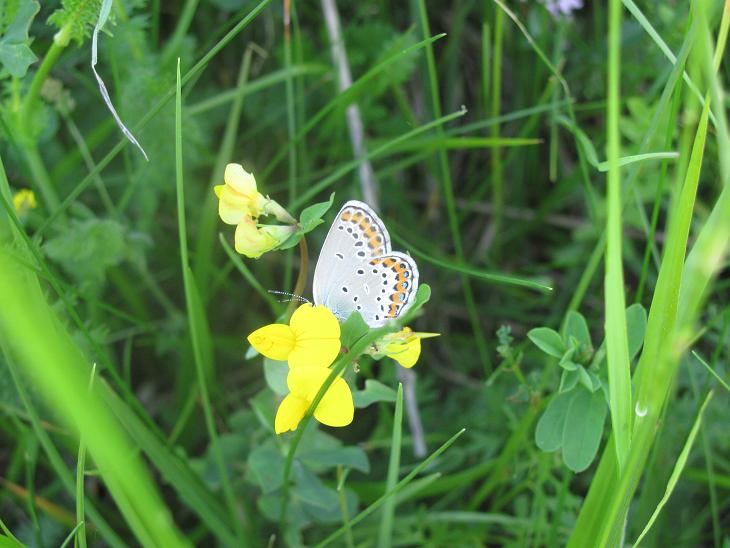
548, 340
312, 216
374, 391
350, 457
636, 328
275, 373
583, 428
15, 53
549, 430
576, 326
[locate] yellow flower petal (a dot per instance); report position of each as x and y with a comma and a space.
290, 413
336, 407
239, 179
305, 382
317, 333
274, 341
252, 242
405, 353
232, 206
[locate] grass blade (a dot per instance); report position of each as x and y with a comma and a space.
386, 520
398, 486
195, 321
677, 471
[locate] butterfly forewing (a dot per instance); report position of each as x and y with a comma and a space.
356, 269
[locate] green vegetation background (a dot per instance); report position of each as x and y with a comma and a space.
493, 150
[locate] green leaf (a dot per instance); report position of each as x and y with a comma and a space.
350, 457
266, 466
291, 241
374, 391
353, 329
566, 362
583, 428
677, 471
636, 327
569, 379
312, 216
548, 340
576, 326
15, 53
310, 490
275, 373
87, 248
549, 431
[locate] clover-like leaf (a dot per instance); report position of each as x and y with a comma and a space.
548, 340
311, 216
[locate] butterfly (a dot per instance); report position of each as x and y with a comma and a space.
358, 271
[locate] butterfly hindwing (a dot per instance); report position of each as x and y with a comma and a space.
357, 271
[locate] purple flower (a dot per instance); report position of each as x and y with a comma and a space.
558, 8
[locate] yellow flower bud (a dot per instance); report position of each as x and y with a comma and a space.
23, 200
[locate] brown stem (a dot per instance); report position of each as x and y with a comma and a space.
301, 277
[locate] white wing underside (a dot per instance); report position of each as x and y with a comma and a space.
357, 270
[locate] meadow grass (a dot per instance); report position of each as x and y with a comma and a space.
514, 153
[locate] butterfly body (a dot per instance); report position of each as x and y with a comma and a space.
358, 271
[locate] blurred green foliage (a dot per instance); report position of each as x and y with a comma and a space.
103, 244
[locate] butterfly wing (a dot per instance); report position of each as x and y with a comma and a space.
356, 269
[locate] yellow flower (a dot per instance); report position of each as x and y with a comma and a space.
239, 198
312, 338
336, 407
23, 200
404, 346
253, 240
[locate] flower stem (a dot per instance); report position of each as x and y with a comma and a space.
301, 277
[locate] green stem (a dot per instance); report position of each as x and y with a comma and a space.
301, 277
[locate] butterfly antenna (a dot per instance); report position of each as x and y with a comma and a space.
292, 296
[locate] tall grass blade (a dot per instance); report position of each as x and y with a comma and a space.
386, 519
398, 487
677, 471
195, 321
617, 348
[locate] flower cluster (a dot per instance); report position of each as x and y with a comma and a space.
309, 343
241, 204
